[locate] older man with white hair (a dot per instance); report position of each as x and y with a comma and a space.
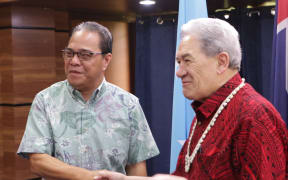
236, 133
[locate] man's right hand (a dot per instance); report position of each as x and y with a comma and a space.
167, 177
51, 168
109, 175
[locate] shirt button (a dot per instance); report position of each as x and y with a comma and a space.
199, 123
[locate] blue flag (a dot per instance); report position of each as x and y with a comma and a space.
279, 75
182, 113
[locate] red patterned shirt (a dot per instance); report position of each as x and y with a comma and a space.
248, 141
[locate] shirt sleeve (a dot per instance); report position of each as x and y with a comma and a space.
37, 137
262, 145
142, 144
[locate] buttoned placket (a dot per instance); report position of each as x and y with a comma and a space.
85, 107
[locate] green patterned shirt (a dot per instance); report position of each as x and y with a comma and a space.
108, 131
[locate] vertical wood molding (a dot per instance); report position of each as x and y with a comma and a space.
118, 71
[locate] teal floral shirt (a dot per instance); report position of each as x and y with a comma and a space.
109, 131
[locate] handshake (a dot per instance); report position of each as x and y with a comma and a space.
109, 175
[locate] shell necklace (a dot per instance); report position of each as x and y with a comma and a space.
189, 159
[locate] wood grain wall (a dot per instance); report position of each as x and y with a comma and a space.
30, 60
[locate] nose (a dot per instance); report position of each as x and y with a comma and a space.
180, 72
75, 60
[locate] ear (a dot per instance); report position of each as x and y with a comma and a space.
223, 61
107, 59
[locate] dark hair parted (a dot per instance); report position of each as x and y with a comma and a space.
103, 32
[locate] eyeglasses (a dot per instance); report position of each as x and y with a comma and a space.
83, 55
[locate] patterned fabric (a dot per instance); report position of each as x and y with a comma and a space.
248, 141
107, 132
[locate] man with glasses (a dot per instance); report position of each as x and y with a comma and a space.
85, 123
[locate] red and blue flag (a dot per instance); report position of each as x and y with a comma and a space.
279, 76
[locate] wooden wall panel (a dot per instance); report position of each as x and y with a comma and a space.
13, 122
5, 16
30, 61
62, 31
61, 39
6, 65
27, 42
1, 145
61, 21
8, 140
33, 62
32, 17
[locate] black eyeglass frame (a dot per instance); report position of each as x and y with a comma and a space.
80, 54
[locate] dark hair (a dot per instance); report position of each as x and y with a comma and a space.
104, 33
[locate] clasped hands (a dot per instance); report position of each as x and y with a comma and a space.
109, 175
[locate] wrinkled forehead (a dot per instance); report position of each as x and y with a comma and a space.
188, 44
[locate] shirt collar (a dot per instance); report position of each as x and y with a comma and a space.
207, 108
77, 95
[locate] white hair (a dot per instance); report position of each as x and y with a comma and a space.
215, 36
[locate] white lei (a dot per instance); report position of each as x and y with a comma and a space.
189, 159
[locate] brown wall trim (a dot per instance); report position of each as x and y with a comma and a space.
15, 105
36, 28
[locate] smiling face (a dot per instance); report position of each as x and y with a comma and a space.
86, 75
197, 71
